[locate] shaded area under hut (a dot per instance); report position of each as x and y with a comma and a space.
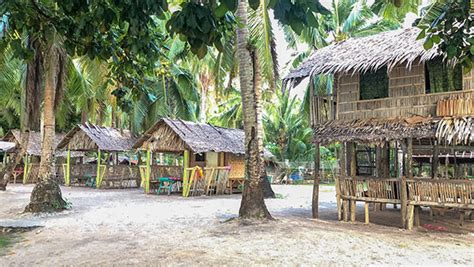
29, 167
110, 161
404, 122
212, 157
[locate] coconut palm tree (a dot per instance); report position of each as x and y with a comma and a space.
252, 205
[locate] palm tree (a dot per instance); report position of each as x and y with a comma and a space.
253, 204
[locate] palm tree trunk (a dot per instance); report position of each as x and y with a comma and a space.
253, 204
30, 109
46, 195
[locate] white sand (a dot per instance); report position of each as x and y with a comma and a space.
118, 227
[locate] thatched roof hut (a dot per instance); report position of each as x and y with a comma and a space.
169, 135
34, 142
389, 49
89, 137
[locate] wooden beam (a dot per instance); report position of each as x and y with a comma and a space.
315, 200
353, 159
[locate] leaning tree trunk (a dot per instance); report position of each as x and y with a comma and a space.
253, 204
46, 196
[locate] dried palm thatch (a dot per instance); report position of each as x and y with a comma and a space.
367, 53
6, 146
89, 137
375, 130
169, 135
34, 143
456, 130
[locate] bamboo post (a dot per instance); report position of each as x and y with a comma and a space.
147, 171
315, 200
366, 208
353, 211
67, 180
338, 199
435, 161
185, 173
25, 170
417, 216
97, 178
353, 173
345, 210
410, 217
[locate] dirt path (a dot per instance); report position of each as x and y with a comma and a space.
127, 227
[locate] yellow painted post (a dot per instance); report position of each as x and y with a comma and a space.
97, 178
148, 171
25, 170
67, 176
185, 173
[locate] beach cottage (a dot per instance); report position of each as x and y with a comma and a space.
218, 152
405, 121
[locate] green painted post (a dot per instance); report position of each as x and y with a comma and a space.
97, 178
67, 176
185, 172
148, 171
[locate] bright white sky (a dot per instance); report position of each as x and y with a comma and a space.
285, 54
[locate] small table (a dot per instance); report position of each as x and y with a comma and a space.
239, 181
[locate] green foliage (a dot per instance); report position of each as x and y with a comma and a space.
448, 24
116, 31
287, 133
201, 27
443, 77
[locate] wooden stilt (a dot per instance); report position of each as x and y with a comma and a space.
338, 200
345, 208
417, 216
67, 177
353, 211
366, 209
97, 177
315, 200
410, 217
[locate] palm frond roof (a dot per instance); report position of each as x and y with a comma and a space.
385, 49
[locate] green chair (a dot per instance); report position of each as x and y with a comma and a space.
165, 183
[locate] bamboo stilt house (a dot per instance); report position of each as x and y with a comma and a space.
404, 119
202, 145
106, 144
30, 166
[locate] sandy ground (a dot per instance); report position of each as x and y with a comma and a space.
126, 227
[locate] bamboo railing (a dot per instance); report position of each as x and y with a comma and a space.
441, 193
422, 192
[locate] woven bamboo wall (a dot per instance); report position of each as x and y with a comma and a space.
237, 163
406, 91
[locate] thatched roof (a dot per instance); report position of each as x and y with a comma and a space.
448, 130
6, 146
178, 135
89, 137
366, 53
374, 130
34, 142
456, 130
